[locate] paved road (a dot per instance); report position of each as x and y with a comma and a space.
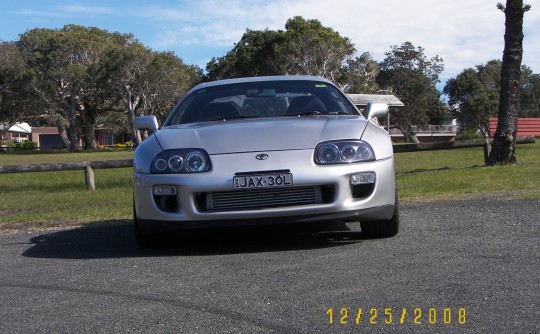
467, 266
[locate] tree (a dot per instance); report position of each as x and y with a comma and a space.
66, 64
360, 75
530, 93
257, 53
473, 96
305, 47
503, 151
147, 82
411, 76
16, 99
313, 49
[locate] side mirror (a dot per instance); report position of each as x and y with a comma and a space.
376, 110
146, 123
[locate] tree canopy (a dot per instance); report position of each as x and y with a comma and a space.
410, 75
305, 47
473, 95
83, 78
82, 73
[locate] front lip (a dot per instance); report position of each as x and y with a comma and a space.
384, 211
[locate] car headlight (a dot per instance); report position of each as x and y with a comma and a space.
343, 151
181, 161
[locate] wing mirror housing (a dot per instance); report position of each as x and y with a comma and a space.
376, 110
146, 123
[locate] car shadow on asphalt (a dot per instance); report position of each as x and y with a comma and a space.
115, 239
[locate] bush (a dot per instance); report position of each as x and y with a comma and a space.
469, 134
26, 145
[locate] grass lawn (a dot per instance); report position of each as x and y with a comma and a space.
46, 199
455, 174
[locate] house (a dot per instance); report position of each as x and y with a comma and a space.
47, 138
15, 134
525, 127
18, 132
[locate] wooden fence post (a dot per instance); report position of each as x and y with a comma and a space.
486, 153
89, 177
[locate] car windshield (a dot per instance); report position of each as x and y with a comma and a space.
261, 99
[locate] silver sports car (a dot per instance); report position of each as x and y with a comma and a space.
264, 150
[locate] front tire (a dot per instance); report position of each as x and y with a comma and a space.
382, 228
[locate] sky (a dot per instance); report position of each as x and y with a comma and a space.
465, 33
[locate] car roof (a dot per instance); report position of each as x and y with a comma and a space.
261, 78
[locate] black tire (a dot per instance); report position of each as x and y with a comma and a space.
382, 228
146, 240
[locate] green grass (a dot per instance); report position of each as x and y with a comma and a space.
35, 200
29, 157
455, 174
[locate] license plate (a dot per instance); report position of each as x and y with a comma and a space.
263, 181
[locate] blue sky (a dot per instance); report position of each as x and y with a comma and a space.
464, 33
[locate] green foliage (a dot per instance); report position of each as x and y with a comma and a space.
17, 98
530, 93
411, 76
86, 73
473, 96
26, 145
360, 75
469, 134
305, 47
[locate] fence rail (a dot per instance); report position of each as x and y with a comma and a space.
453, 145
89, 166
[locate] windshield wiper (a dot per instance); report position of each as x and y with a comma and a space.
315, 112
223, 118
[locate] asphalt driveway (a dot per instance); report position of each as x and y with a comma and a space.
456, 267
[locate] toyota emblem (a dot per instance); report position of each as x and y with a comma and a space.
261, 156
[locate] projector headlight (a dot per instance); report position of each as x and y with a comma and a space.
343, 151
191, 160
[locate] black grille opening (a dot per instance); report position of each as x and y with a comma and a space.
264, 198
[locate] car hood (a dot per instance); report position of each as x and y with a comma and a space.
261, 134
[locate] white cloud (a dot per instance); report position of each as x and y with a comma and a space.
464, 33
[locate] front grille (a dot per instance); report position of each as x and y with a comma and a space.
264, 198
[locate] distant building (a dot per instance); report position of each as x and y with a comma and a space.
17, 133
431, 133
47, 138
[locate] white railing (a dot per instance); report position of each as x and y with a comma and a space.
418, 129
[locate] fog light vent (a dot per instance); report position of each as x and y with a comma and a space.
164, 190
362, 178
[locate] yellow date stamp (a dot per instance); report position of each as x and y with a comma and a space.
399, 316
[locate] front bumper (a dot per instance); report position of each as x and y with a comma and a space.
185, 211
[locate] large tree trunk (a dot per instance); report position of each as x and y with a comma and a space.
73, 126
131, 103
90, 142
63, 134
503, 150
408, 135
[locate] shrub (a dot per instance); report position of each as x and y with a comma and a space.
26, 145
469, 134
